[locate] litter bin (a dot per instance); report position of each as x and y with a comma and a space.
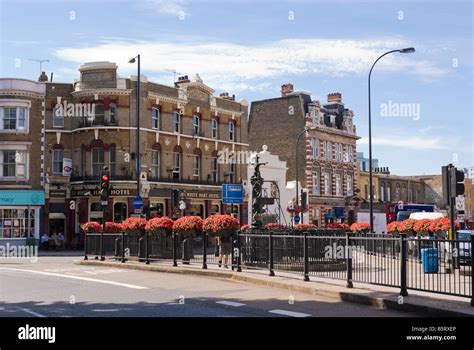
429, 260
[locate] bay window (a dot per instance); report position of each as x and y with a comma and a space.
13, 119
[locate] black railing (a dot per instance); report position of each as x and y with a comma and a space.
408, 263
96, 178
184, 180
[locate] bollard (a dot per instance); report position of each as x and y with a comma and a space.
349, 261
185, 254
305, 256
123, 247
403, 267
270, 252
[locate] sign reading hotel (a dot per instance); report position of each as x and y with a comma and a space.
115, 192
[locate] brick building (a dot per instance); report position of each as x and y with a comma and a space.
327, 165
182, 129
21, 154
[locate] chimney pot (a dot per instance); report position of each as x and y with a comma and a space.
335, 97
286, 89
43, 77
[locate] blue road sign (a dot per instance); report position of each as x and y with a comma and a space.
232, 194
296, 218
137, 202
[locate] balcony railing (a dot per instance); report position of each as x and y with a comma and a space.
184, 181
96, 178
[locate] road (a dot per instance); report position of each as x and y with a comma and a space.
54, 286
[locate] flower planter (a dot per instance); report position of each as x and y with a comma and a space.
222, 233
188, 233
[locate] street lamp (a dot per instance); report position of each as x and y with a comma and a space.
306, 128
371, 191
138, 165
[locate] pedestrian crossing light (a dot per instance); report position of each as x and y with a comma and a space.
456, 182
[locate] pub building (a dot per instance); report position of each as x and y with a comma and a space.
183, 129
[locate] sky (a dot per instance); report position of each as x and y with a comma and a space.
422, 103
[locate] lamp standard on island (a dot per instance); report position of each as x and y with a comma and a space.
371, 190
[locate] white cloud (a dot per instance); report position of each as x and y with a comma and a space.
411, 142
243, 67
166, 7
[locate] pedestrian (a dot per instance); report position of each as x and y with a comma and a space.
224, 249
45, 241
61, 239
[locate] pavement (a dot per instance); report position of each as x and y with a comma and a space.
67, 286
419, 303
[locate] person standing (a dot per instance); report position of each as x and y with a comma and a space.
225, 248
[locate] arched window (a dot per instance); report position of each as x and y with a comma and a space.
382, 191
176, 122
177, 157
197, 163
58, 117
389, 192
58, 154
214, 128
215, 167
155, 160
231, 131
196, 125
327, 183
349, 185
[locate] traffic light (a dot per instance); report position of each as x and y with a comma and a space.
456, 182
445, 179
104, 189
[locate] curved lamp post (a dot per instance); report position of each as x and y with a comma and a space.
371, 191
138, 165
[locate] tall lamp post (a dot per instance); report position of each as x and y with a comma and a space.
371, 190
306, 128
138, 165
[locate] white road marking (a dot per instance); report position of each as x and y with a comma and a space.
288, 313
229, 303
126, 285
28, 311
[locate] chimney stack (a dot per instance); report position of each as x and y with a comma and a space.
181, 80
225, 95
286, 89
335, 97
43, 77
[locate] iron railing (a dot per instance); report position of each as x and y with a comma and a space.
409, 263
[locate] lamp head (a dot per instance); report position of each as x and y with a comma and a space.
407, 50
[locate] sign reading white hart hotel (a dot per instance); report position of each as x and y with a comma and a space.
115, 192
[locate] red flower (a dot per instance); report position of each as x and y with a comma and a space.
273, 226
360, 227
304, 226
422, 226
133, 224
217, 222
113, 227
91, 226
157, 225
393, 227
188, 223
244, 228
338, 225
406, 226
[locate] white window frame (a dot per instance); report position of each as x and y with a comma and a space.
155, 118
9, 103
177, 163
176, 122
196, 125
196, 165
55, 161
231, 131
315, 148
214, 128
338, 179
57, 118
155, 163
349, 183
215, 169
94, 163
327, 184
23, 164
316, 182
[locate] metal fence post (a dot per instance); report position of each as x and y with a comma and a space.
349, 261
305, 256
472, 271
270, 252
239, 269
147, 248
175, 248
123, 246
102, 257
403, 266
204, 250
85, 246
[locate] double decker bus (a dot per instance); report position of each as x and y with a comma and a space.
399, 211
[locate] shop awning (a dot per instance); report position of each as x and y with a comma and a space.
22, 197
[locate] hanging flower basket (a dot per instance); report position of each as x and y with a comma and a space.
220, 225
406, 226
91, 227
113, 227
360, 227
188, 226
160, 226
135, 225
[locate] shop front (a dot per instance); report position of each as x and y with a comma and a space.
20, 216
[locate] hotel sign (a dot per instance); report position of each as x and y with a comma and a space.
203, 195
115, 192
